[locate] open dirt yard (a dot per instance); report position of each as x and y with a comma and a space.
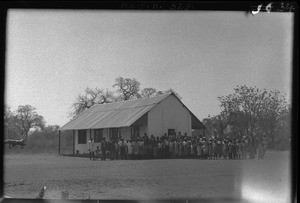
254, 180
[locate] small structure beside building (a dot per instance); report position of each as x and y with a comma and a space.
132, 118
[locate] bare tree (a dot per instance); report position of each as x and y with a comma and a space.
159, 93
127, 88
51, 128
27, 118
174, 92
91, 97
148, 92
169, 91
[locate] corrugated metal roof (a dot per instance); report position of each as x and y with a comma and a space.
113, 115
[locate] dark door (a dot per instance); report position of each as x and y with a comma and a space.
171, 131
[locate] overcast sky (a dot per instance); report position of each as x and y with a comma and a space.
52, 56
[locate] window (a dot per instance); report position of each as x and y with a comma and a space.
81, 136
98, 135
115, 133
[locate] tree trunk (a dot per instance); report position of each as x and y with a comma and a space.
272, 144
252, 147
25, 137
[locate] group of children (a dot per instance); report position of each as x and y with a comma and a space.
173, 146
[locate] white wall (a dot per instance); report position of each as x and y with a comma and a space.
83, 148
143, 130
126, 133
169, 114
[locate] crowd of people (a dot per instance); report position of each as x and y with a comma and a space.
178, 146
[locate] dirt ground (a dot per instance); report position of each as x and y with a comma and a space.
252, 180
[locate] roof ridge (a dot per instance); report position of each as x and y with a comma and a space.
122, 108
134, 99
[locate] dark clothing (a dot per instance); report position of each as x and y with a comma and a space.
103, 150
233, 148
122, 151
92, 155
103, 154
111, 147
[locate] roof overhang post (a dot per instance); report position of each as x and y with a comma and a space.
73, 142
59, 142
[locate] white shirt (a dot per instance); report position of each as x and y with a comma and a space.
91, 146
141, 143
130, 148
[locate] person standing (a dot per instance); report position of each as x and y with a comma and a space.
180, 149
198, 147
163, 145
244, 149
117, 150
146, 147
122, 149
126, 149
136, 149
111, 147
205, 149
215, 149
151, 144
210, 149
225, 148
260, 148
97, 152
167, 145
91, 146
141, 148
264, 143
160, 149
179, 136
129, 149
219, 148
188, 148
192, 146
155, 147
103, 149
176, 149
183, 148
171, 148
230, 149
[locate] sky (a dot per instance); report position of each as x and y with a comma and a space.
53, 55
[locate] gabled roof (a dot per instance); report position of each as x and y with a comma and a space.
113, 115
117, 114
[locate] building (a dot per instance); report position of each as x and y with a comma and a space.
132, 118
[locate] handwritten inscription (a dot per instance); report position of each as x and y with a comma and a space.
274, 7
180, 6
